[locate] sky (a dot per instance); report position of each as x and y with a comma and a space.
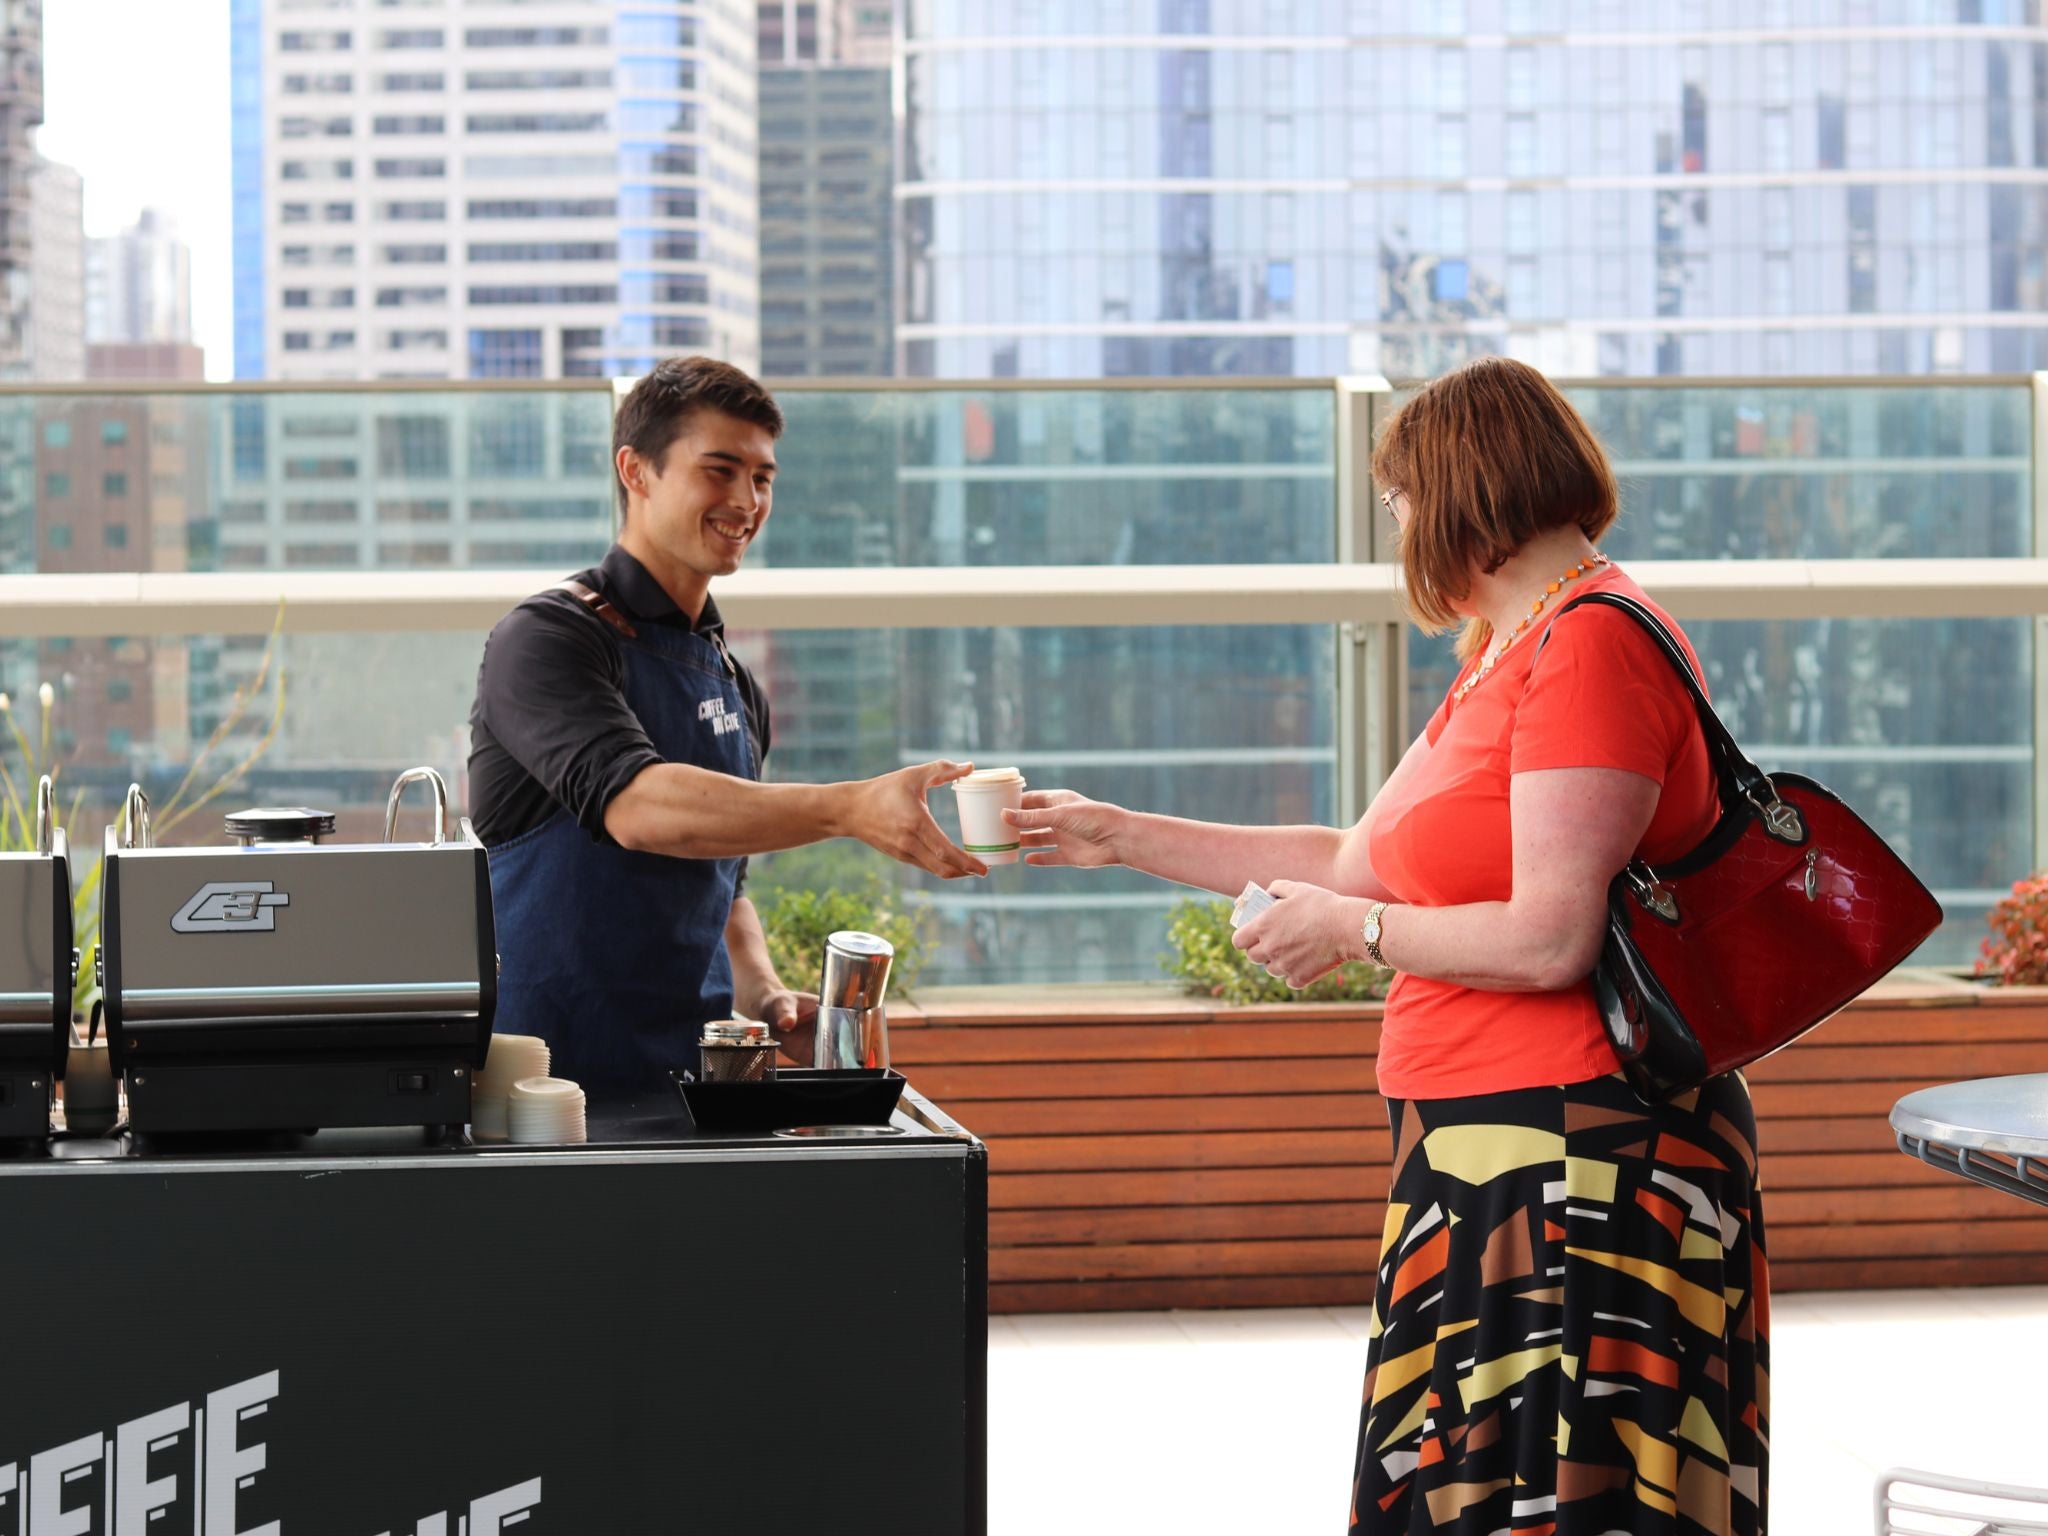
135, 98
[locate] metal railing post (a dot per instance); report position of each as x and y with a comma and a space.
2038, 490
621, 388
1369, 655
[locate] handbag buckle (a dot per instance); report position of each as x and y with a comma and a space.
1781, 820
1656, 897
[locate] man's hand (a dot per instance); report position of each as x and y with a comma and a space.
890, 814
1307, 932
793, 1016
1058, 826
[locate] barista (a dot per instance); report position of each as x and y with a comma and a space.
616, 748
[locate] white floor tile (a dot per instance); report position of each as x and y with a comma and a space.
2024, 1302
1252, 1437
1860, 1309
1356, 1321
1227, 1423
1251, 1326
1074, 1329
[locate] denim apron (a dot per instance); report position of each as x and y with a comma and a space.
616, 958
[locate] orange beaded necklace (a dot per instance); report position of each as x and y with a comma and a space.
1494, 653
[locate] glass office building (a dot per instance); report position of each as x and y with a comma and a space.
21, 111
1676, 190
826, 218
499, 191
827, 176
1169, 187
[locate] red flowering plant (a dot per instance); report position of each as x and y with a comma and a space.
2016, 954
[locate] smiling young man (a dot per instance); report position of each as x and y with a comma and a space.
616, 748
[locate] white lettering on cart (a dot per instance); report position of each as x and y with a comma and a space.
231, 1467
49, 1475
136, 1496
224, 1464
491, 1515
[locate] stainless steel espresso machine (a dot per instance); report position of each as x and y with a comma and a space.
37, 968
284, 984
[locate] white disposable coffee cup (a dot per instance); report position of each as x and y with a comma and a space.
982, 797
511, 1058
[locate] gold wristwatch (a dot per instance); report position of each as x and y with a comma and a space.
1373, 933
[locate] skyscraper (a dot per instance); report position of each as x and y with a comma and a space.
1118, 188
492, 193
1106, 187
21, 111
138, 283
56, 332
826, 180
841, 32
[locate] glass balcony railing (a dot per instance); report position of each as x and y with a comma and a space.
1926, 724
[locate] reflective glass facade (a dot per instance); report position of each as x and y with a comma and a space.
245, 43
1170, 187
826, 216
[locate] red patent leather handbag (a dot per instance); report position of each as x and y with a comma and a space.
1790, 908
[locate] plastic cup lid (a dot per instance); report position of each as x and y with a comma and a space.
987, 786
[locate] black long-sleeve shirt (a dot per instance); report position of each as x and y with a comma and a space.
551, 726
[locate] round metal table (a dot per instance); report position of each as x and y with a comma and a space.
1993, 1130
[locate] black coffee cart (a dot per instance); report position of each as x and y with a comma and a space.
364, 1332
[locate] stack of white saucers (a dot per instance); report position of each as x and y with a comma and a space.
545, 1109
511, 1058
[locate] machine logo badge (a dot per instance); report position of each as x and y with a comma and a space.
231, 906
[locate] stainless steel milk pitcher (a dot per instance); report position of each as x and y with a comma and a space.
853, 1026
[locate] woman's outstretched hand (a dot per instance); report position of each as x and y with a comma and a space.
1058, 826
1306, 934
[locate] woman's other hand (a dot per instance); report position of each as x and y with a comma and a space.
1306, 934
1058, 826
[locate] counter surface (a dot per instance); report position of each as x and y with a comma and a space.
357, 1333
642, 1128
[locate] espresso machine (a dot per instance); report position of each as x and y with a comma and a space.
285, 983
38, 967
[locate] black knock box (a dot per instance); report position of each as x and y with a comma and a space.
794, 1096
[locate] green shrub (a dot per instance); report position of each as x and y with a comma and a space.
798, 922
1211, 966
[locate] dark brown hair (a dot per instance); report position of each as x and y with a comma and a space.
661, 405
1488, 457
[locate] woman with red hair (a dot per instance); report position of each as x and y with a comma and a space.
1571, 1317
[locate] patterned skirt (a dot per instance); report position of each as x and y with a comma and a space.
1569, 1332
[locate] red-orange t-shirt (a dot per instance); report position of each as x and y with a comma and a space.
1603, 695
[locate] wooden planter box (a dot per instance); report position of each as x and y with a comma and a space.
1175, 1154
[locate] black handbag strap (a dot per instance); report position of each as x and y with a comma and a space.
1740, 779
